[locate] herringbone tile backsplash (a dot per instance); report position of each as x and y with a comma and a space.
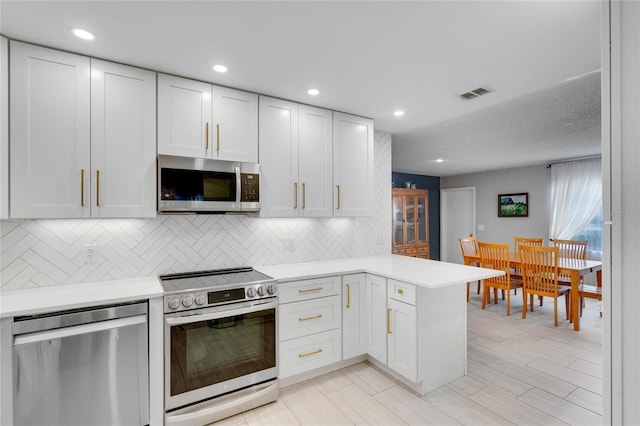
50, 252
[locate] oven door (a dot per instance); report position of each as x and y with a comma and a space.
212, 351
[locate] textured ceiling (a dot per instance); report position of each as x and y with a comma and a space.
371, 58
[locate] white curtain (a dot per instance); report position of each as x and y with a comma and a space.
576, 194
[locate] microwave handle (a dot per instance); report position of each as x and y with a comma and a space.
238, 187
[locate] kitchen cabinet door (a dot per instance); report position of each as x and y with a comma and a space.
354, 315
49, 133
4, 129
278, 157
352, 165
123, 136
184, 117
235, 132
403, 339
377, 317
315, 162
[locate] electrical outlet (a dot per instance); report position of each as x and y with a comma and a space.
287, 243
90, 252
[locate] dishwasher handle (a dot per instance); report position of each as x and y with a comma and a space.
58, 333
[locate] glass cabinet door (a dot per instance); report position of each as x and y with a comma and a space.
421, 220
397, 221
410, 219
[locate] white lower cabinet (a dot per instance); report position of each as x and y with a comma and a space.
354, 315
392, 325
402, 344
309, 325
416, 334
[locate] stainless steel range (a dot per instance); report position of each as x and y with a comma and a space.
220, 344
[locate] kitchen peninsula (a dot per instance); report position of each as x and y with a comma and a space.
406, 315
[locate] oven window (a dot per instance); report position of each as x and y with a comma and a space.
208, 352
197, 185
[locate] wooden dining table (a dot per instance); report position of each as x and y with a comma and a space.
575, 268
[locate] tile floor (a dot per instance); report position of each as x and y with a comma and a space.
522, 372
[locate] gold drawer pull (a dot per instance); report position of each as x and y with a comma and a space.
218, 137
338, 188
206, 132
82, 187
310, 318
348, 296
98, 188
400, 291
388, 321
309, 290
310, 353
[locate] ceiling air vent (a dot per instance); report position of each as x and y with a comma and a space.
474, 93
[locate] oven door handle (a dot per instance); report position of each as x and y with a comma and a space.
220, 314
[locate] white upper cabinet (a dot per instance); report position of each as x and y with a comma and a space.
278, 158
235, 123
4, 128
352, 165
82, 136
295, 159
123, 141
315, 162
197, 119
49, 133
184, 117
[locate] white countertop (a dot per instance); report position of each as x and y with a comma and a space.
421, 272
33, 301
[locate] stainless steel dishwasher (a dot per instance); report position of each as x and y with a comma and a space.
82, 367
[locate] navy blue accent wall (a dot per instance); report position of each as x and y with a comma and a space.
432, 184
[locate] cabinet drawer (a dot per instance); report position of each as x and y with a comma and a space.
398, 251
309, 317
411, 251
402, 292
306, 353
308, 289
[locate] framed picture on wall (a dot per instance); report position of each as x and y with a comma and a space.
513, 205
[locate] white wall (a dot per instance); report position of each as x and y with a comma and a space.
49, 252
534, 180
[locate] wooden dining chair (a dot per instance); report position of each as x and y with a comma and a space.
497, 256
524, 241
469, 245
575, 249
540, 277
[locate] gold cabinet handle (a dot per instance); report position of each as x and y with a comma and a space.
295, 195
98, 188
388, 321
310, 318
218, 137
318, 351
82, 187
309, 290
348, 296
304, 196
400, 291
206, 132
338, 188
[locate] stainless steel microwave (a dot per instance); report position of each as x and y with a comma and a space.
202, 185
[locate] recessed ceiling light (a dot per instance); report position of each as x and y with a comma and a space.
439, 160
313, 92
83, 34
398, 113
220, 68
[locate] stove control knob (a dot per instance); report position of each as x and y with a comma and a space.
251, 292
260, 291
272, 289
187, 301
201, 299
174, 303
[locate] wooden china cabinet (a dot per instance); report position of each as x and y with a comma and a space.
410, 225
